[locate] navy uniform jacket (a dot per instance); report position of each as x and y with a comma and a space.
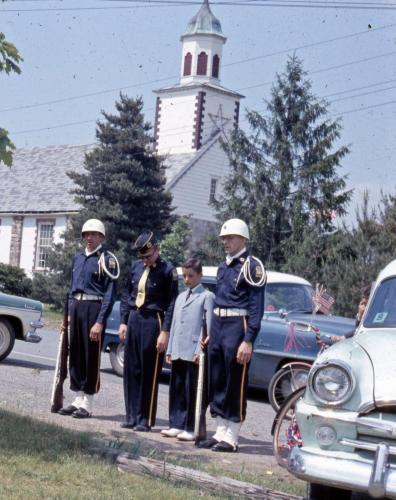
86, 278
161, 290
234, 293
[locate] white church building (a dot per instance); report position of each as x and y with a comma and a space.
191, 117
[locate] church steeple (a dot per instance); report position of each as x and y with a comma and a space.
204, 22
198, 108
202, 47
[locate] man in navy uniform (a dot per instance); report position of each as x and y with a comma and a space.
146, 315
238, 309
91, 297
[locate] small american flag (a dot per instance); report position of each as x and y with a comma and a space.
322, 300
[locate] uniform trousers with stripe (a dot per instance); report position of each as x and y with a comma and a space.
142, 367
84, 353
182, 394
227, 378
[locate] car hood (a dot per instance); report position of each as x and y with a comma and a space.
380, 346
13, 301
332, 325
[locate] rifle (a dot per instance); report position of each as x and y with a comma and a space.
61, 363
202, 402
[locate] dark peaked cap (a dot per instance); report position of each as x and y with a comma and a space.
145, 241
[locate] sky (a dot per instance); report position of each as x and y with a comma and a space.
79, 54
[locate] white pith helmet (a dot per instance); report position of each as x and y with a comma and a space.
235, 227
93, 225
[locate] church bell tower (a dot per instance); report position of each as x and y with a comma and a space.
194, 110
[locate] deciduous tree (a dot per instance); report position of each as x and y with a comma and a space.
9, 59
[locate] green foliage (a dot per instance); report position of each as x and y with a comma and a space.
211, 251
6, 148
9, 56
9, 59
284, 173
348, 259
13, 280
123, 186
174, 247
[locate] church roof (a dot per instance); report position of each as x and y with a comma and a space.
179, 164
195, 84
37, 180
204, 22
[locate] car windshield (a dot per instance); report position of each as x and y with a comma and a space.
382, 311
289, 296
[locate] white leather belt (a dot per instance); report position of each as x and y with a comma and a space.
229, 311
87, 296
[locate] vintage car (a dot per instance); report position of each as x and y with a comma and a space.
287, 298
19, 319
347, 417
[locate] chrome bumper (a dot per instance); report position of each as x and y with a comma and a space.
32, 335
377, 478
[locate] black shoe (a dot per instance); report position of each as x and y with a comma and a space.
81, 413
127, 425
207, 443
68, 410
225, 447
141, 428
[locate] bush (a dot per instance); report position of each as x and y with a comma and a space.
50, 288
14, 281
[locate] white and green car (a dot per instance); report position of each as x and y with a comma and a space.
347, 417
19, 319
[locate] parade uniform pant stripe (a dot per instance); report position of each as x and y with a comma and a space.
99, 358
243, 380
154, 386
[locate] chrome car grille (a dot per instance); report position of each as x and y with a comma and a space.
372, 429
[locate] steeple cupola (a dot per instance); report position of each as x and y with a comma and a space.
203, 43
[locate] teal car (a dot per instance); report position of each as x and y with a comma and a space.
347, 416
19, 319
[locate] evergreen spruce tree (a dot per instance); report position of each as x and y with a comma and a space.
349, 259
174, 246
284, 171
123, 185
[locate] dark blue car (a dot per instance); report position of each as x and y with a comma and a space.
288, 299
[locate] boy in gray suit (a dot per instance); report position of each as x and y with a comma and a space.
184, 349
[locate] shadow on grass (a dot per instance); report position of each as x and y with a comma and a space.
26, 436
23, 435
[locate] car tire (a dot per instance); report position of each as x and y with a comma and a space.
117, 358
7, 338
323, 492
286, 381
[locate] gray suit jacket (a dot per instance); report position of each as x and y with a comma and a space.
186, 325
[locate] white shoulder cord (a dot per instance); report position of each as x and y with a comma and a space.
246, 272
102, 265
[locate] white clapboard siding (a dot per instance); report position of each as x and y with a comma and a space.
192, 189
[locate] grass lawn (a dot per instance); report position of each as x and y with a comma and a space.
43, 461
51, 318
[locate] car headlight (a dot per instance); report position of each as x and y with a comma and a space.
332, 383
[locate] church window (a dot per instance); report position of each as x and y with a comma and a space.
187, 64
45, 239
215, 66
202, 64
213, 188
